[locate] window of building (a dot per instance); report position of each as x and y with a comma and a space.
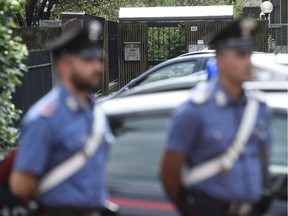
275, 16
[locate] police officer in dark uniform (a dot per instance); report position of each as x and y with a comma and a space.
57, 128
205, 126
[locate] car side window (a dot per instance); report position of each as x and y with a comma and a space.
137, 153
279, 132
170, 71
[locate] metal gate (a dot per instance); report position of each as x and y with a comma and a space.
159, 41
132, 33
199, 33
165, 41
278, 38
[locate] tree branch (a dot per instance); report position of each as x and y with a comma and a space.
20, 19
40, 11
51, 3
30, 10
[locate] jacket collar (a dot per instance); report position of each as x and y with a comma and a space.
71, 102
222, 98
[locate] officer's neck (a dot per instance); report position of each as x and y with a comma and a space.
233, 89
80, 94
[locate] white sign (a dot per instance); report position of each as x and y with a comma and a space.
49, 23
194, 28
132, 51
200, 42
194, 48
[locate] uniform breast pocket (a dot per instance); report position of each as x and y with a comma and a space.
72, 139
215, 138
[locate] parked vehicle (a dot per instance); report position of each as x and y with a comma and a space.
140, 123
176, 67
198, 53
270, 77
191, 63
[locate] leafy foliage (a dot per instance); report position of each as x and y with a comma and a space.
12, 53
35, 10
165, 42
103, 8
272, 44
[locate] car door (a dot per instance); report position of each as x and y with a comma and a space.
135, 158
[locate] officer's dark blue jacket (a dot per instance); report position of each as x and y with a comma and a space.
53, 130
204, 126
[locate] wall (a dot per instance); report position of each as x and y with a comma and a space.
36, 38
38, 80
132, 32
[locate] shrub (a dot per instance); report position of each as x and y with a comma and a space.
12, 54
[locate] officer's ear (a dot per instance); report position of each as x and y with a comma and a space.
220, 60
61, 64
218, 56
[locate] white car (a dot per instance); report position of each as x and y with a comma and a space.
192, 64
139, 123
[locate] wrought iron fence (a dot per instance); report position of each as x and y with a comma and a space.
278, 38
165, 42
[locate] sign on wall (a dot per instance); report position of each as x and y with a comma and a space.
194, 47
49, 23
194, 28
132, 51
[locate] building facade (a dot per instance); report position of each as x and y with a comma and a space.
277, 22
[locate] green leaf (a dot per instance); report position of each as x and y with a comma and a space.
12, 54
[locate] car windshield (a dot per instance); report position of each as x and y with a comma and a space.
170, 71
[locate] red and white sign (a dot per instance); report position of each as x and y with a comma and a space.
132, 51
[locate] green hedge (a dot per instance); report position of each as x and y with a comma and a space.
12, 54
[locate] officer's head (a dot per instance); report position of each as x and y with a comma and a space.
234, 46
77, 57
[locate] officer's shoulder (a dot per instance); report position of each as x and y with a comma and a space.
201, 93
257, 95
46, 107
